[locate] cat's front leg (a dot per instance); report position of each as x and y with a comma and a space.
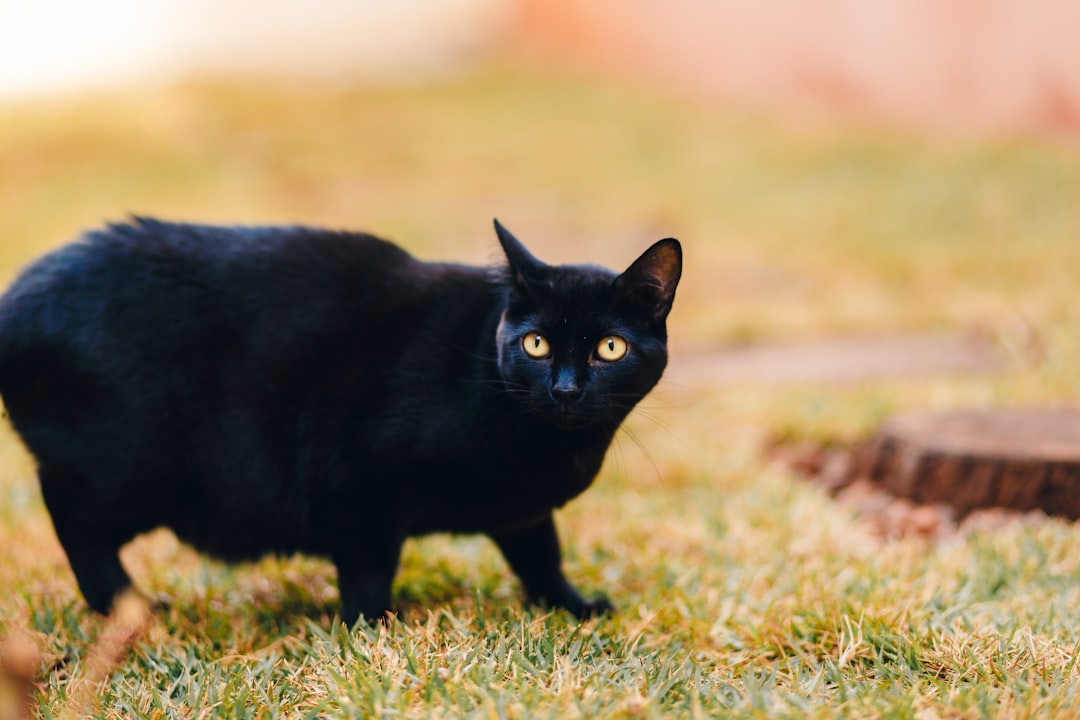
534, 555
365, 577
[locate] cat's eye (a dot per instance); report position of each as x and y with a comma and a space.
535, 345
611, 348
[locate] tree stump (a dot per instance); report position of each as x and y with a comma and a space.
1014, 458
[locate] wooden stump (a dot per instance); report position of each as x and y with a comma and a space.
1017, 458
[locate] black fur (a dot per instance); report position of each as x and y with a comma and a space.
288, 389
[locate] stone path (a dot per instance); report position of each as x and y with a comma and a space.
839, 361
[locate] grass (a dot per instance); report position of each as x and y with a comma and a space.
742, 591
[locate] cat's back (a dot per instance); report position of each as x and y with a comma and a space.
146, 258
169, 279
148, 306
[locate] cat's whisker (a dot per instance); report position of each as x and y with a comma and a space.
645, 451
644, 414
657, 422
620, 459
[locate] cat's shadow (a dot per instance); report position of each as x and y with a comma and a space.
282, 612
278, 596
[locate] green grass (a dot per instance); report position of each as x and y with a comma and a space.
742, 591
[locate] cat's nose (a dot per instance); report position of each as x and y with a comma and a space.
566, 395
565, 392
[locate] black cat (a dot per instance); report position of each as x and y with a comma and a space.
289, 389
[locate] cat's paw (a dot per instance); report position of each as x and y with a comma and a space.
596, 607
576, 605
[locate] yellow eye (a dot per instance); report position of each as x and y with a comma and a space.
611, 348
535, 345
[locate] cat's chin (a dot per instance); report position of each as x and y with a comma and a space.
572, 421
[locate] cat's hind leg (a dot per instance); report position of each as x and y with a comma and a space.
534, 555
92, 552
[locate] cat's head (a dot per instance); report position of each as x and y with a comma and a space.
580, 345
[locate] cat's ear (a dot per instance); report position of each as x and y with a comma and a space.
524, 268
650, 281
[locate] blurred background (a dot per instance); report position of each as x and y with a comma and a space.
836, 169
879, 204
